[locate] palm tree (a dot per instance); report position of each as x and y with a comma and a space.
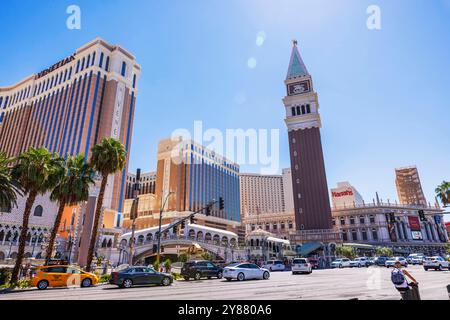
9, 189
72, 187
108, 157
443, 193
36, 171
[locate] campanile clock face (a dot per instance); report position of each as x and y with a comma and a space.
299, 88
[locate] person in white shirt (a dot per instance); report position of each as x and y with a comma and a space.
398, 277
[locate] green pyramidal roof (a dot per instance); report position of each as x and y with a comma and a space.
296, 66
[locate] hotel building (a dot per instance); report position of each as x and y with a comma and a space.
267, 203
189, 176
68, 108
409, 188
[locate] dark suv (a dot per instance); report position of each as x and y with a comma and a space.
200, 269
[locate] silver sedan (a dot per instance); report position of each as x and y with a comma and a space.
245, 271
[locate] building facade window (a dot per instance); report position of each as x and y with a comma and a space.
352, 220
124, 69
374, 234
38, 211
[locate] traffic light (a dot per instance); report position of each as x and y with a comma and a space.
155, 248
175, 230
221, 203
422, 215
192, 220
183, 224
208, 211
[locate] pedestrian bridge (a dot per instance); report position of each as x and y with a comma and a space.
221, 243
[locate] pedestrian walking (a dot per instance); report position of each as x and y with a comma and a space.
408, 291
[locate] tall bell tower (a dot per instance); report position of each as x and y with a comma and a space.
309, 182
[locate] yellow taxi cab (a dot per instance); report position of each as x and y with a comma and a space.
62, 276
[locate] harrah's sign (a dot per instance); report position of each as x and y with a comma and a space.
346, 193
55, 66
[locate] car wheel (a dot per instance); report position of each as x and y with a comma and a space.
359, 265
127, 283
86, 283
270, 269
165, 281
266, 275
42, 285
241, 277
440, 268
186, 278
426, 269
341, 266
197, 276
228, 279
219, 275
310, 271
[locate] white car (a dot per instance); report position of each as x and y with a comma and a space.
359, 262
436, 263
301, 265
341, 263
391, 262
415, 258
274, 265
245, 271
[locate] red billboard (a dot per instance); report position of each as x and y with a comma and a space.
414, 223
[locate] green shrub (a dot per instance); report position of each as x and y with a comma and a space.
23, 284
156, 265
347, 252
5, 276
384, 252
183, 257
168, 265
104, 278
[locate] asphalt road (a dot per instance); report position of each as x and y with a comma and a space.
364, 283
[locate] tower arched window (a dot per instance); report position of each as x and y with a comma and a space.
303, 109
308, 108
298, 110
100, 63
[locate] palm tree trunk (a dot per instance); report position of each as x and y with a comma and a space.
98, 212
23, 237
55, 229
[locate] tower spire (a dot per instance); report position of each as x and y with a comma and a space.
297, 67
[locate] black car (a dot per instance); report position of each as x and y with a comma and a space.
130, 276
201, 269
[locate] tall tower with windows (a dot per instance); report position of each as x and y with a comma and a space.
309, 182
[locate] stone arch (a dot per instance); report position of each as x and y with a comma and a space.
140, 240
13, 255
2, 256
233, 242
104, 243
149, 237
192, 234
251, 243
224, 241
200, 235
208, 236
109, 244
123, 243
216, 239
2, 235
27, 255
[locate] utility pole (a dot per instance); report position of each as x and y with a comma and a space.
133, 213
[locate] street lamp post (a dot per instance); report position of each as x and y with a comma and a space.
160, 223
133, 212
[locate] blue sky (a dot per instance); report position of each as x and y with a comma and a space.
384, 94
